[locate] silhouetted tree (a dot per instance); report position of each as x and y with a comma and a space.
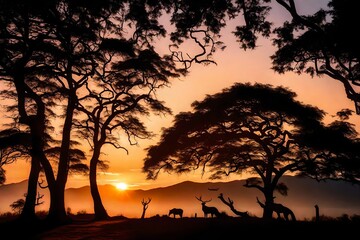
335, 149
145, 207
21, 31
2, 175
16, 145
76, 30
18, 205
321, 44
317, 213
318, 44
256, 129
126, 89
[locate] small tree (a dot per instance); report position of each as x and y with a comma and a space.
145, 206
254, 129
18, 205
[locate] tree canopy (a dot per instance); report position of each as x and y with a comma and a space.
322, 44
258, 130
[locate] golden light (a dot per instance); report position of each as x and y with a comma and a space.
121, 186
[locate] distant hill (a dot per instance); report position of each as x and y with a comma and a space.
333, 197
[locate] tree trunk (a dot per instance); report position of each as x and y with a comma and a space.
57, 212
99, 209
317, 214
269, 187
269, 201
28, 212
143, 214
36, 125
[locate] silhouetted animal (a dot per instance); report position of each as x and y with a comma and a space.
176, 211
280, 209
208, 210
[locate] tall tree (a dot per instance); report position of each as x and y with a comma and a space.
46, 55
255, 129
76, 27
124, 90
21, 32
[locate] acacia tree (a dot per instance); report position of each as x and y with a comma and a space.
254, 129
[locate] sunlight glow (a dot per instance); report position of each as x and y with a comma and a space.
121, 186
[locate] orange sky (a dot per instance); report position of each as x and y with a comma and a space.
233, 65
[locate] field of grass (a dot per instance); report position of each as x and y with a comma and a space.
163, 227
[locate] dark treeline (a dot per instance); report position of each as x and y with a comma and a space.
94, 66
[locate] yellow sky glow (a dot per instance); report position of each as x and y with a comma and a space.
121, 186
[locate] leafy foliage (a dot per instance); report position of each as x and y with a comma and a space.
259, 130
18, 205
321, 44
233, 129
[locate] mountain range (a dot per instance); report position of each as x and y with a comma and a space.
334, 198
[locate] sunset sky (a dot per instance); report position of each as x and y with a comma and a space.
233, 65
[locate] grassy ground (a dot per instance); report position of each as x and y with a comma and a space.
161, 228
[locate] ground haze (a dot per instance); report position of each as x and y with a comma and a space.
333, 198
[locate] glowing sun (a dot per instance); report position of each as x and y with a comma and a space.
121, 186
